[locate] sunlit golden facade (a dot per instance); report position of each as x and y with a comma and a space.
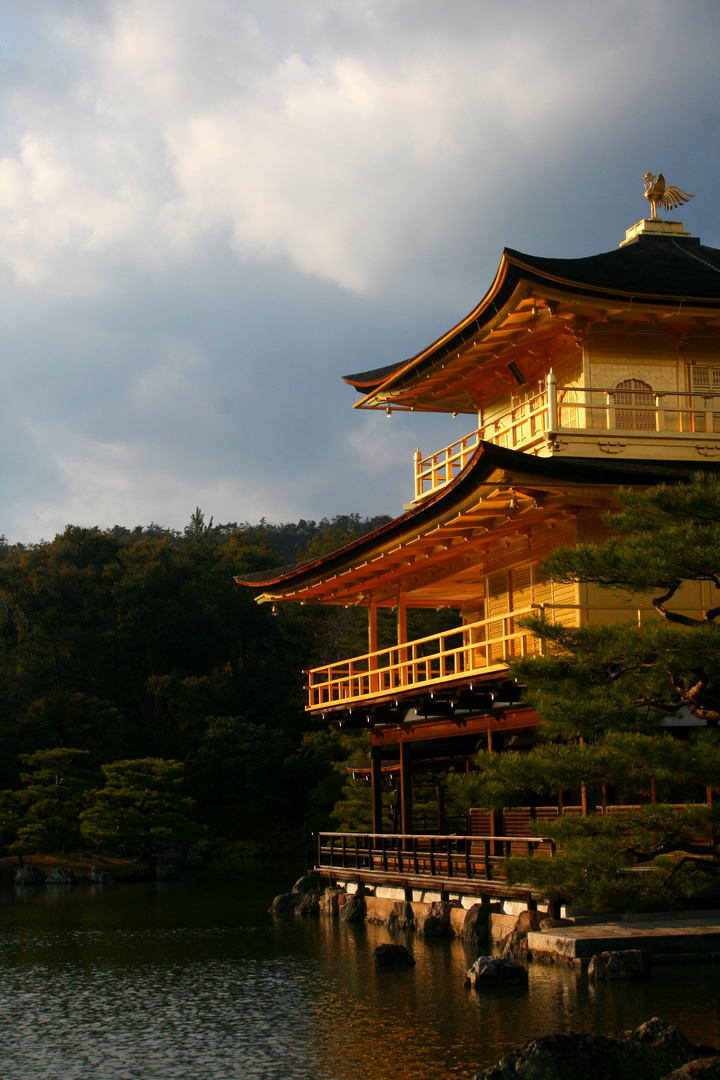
579, 375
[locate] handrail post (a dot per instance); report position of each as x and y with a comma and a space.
708, 415
418, 473
553, 417
659, 414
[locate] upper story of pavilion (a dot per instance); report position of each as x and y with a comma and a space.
613, 355
581, 375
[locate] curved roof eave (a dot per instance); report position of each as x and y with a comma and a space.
417, 515
363, 380
487, 459
624, 273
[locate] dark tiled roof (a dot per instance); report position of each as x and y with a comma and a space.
370, 378
651, 266
649, 269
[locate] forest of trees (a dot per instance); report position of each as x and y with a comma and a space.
145, 697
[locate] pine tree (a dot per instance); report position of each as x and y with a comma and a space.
45, 813
142, 805
603, 694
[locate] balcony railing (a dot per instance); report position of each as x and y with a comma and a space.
472, 649
389, 856
621, 412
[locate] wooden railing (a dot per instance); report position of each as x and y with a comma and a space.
400, 855
619, 411
474, 648
518, 427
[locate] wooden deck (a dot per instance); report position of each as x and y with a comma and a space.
479, 648
460, 865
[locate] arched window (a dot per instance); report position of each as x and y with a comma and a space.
569, 414
634, 406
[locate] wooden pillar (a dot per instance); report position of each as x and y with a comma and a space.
406, 818
376, 781
372, 628
401, 619
553, 418
372, 645
402, 636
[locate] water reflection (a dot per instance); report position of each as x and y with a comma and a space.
188, 980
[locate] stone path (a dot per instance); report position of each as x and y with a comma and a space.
665, 938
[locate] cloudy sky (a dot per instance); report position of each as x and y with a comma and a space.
210, 210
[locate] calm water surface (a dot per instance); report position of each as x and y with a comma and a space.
194, 981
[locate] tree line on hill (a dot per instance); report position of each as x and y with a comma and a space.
145, 696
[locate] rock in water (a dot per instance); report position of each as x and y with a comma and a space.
309, 903
29, 875
436, 921
331, 901
651, 1052
490, 971
100, 876
307, 883
61, 875
701, 1069
392, 956
515, 944
354, 909
476, 925
402, 916
285, 903
620, 964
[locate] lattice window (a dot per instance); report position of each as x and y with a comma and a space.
634, 401
559, 598
569, 399
521, 588
517, 590
706, 378
497, 606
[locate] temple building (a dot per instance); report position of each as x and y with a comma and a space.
577, 376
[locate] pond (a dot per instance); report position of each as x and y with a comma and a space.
193, 980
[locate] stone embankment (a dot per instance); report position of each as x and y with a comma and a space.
433, 919
71, 868
654, 1051
623, 948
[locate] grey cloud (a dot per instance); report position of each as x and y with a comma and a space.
209, 212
